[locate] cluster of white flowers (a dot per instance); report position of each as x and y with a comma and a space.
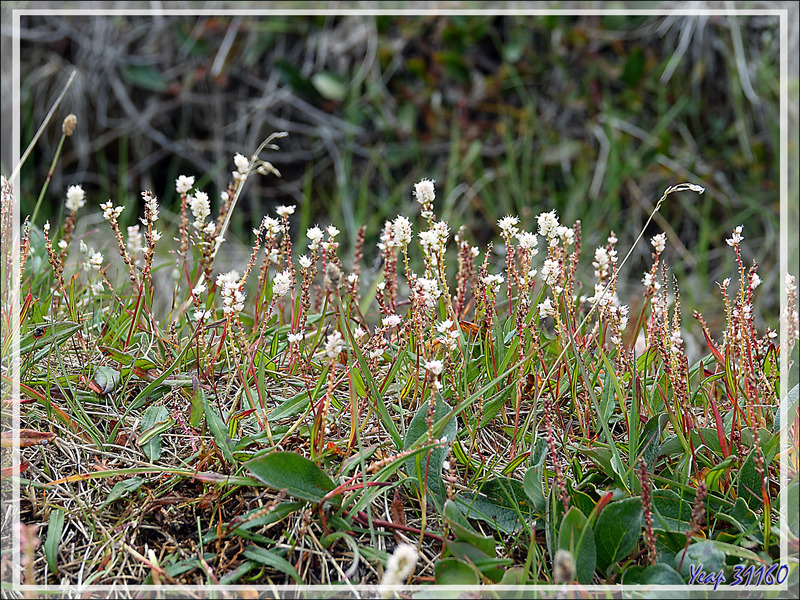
282, 283
493, 283
285, 211
315, 235
676, 341
528, 241
619, 320
425, 194
242, 165
434, 240
110, 212
434, 366
755, 280
295, 338
650, 282
135, 245
331, 244
737, 237
76, 198
232, 296
201, 209
659, 242
334, 345
449, 335
305, 262
151, 206
547, 308
508, 227
548, 227
566, 234
396, 234
183, 184
603, 297
199, 289
391, 321
551, 272
603, 260
201, 315
429, 291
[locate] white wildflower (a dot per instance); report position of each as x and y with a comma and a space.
95, 261
391, 321
547, 308
315, 235
566, 234
183, 184
334, 344
285, 211
493, 282
507, 225
282, 283
736, 238
434, 366
527, 240
424, 191
305, 261
76, 198
551, 272
232, 296
201, 208
548, 224
659, 242
402, 231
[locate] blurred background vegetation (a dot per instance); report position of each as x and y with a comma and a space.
591, 115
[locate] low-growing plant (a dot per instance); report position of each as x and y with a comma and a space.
465, 416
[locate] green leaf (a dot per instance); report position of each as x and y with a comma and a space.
750, 483
329, 85
154, 419
651, 439
672, 513
461, 528
55, 526
501, 502
144, 76
43, 336
453, 571
617, 530
418, 429
532, 484
122, 488
577, 536
657, 574
265, 557
301, 477
702, 554
218, 429
107, 378
489, 566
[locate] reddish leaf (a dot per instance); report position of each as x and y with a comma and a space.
27, 437
14, 469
